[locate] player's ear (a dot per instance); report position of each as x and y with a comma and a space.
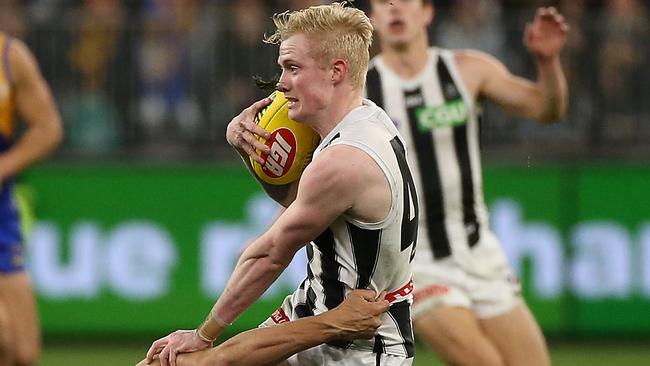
339, 70
429, 13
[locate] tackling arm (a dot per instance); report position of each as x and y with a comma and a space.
359, 316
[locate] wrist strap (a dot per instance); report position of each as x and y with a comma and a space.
222, 323
202, 336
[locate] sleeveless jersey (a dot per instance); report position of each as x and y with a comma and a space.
9, 220
440, 125
351, 254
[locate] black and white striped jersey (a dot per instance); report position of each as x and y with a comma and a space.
439, 122
352, 254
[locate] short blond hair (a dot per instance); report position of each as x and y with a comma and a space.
342, 32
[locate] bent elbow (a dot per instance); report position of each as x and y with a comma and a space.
552, 116
56, 134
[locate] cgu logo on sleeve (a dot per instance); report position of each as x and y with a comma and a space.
451, 114
283, 151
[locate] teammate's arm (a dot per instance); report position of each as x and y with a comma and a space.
241, 134
544, 100
35, 107
328, 188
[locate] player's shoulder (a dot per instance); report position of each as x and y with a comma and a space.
19, 56
338, 164
475, 64
472, 56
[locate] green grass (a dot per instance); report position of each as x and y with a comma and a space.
563, 354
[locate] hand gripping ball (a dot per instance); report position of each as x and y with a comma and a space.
292, 143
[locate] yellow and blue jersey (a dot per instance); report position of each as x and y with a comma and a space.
11, 258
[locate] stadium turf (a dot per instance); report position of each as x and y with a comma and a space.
563, 354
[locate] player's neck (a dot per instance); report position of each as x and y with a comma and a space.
341, 105
408, 61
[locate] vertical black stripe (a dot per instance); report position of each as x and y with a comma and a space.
409, 227
373, 87
365, 249
334, 289
379, 346
428, 164
307, 309
401, 314
461, 138
310, 256
378, 360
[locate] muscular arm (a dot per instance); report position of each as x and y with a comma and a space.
325, 192
544, 100
35, 106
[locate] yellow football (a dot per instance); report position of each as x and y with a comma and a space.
292, 143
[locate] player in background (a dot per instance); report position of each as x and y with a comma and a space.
467, 306
358, 317
356, 200
24, 94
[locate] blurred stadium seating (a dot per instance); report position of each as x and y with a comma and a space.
152, 79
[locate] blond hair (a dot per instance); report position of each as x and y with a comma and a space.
342, 32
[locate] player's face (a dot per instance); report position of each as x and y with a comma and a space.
304, 81
399, 22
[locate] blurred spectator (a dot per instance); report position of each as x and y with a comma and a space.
90, 116
302, 4
473, 24
166, 106
152, 76
245, 56
623, 65
12, 18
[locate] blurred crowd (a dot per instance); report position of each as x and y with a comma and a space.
160, 79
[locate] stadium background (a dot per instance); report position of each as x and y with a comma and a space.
140, 215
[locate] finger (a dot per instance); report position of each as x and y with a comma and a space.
255, 143
368, 295
257, 106
164, 357
155, 348
381, 296
253, 127
172, 358
253, 154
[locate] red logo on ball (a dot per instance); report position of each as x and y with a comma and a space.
283, 150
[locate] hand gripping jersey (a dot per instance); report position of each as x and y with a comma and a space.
10, 252
352, 254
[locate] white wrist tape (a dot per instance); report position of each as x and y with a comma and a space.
222, 323
202, 336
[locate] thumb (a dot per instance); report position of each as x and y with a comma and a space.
368, 295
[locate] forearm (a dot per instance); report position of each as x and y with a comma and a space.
269, 346
254, 273
552, 85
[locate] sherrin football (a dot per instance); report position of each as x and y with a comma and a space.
292, 144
